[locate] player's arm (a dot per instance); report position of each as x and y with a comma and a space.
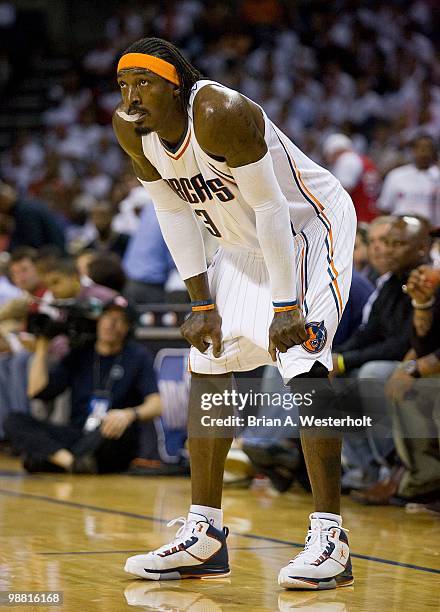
182, 235
230, 127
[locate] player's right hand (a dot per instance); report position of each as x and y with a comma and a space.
200, 326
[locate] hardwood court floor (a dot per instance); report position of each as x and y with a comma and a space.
73, 533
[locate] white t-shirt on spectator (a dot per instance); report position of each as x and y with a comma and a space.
407, 190
127, 220
348, 169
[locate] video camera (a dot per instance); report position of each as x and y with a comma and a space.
75, 319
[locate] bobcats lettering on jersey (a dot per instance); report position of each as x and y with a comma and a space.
197, 190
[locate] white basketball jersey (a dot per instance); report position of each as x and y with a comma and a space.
209, 187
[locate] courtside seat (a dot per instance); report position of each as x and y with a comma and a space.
171, 366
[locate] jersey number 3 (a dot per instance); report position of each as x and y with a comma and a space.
209, 223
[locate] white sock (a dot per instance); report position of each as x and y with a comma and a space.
327, 516
212, 515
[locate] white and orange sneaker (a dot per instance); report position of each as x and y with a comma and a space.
198, 551
325, 561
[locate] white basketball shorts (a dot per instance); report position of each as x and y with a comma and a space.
239, 285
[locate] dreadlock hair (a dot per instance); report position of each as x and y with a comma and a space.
188, 74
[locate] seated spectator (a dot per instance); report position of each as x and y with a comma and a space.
376, 250
360, 255
62, 278
24, 274
147, 261
413, 189
373, 351
357, 174
107, 240
34, 224
113, 390
416, 409
386, 334
15, 344
378, 267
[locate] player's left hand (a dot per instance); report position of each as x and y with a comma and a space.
286, 330
115, 422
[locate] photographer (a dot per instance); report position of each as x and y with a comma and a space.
113, 390
70, 317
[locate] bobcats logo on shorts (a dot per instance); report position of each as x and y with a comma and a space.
317, 337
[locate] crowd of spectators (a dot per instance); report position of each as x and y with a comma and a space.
356, 85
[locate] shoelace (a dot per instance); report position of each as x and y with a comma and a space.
316, 537
183, 529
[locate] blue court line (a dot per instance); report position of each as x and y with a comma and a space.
250, 536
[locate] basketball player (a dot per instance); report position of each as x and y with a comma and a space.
275, 290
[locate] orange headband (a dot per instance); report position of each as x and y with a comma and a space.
155, 64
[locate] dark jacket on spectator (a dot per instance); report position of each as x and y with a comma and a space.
360, 291
35, 226
387, 333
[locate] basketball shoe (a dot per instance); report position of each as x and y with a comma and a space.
325, 561
198, 551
